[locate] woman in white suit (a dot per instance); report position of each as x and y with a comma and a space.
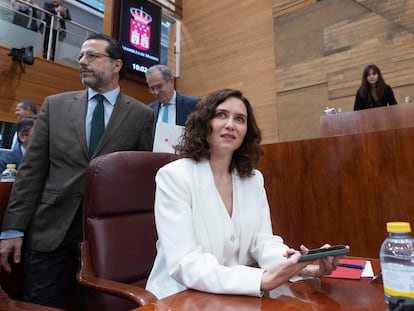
211, 210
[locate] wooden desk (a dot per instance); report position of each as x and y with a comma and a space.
317, 294
7, 304
5, 188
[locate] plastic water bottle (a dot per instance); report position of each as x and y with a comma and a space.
9, 173
397, 263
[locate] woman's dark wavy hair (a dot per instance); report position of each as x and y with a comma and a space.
114, 50
194, 141
365, 88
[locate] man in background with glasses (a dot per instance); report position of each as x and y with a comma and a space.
169, 106
45, 205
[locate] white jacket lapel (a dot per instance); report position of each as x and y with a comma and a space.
208, 211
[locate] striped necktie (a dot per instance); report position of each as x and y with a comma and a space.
97, 124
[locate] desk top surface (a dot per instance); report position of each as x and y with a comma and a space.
7, 304
316, 294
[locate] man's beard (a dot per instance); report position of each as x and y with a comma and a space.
89, 82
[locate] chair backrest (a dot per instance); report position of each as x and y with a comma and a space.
118, 219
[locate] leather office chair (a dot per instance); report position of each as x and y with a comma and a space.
119, 244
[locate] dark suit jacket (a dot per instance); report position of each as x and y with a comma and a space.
49, 185
184, 106
8, 135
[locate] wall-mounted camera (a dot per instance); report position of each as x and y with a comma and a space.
23, 55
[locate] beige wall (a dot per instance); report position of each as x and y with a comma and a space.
229, 44
291, 58
322, 48
311, 58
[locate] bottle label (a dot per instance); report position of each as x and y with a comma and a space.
398, 279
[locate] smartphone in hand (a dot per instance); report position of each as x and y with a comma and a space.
317, 253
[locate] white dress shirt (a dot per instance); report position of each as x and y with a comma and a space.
109, 103
171, 110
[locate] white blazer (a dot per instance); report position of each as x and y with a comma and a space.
199, 245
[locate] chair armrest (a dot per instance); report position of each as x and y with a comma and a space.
87, 278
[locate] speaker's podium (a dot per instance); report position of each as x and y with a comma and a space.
368, 120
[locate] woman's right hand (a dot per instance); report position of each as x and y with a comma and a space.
281, 272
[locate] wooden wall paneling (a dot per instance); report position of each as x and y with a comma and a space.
138, 90
392, 56
41, 79
281, 7
110, 24
42, 72
346, 65
230, 45
297, 115
357, 34
233, 45
45, 78
340, 189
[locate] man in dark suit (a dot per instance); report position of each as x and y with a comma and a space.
46, 198
24, 133
62, 13
169, 106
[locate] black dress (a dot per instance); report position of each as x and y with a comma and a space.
365, 103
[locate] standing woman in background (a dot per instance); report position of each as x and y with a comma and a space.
373, 91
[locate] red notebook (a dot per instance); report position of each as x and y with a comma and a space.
348, 273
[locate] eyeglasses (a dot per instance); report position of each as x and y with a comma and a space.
157, 88
90, 56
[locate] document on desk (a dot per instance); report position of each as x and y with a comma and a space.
368, 272
352, 269
166, 137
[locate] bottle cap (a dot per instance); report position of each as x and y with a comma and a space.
398, 227
10, 165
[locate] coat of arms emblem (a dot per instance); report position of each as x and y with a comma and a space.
139, 29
